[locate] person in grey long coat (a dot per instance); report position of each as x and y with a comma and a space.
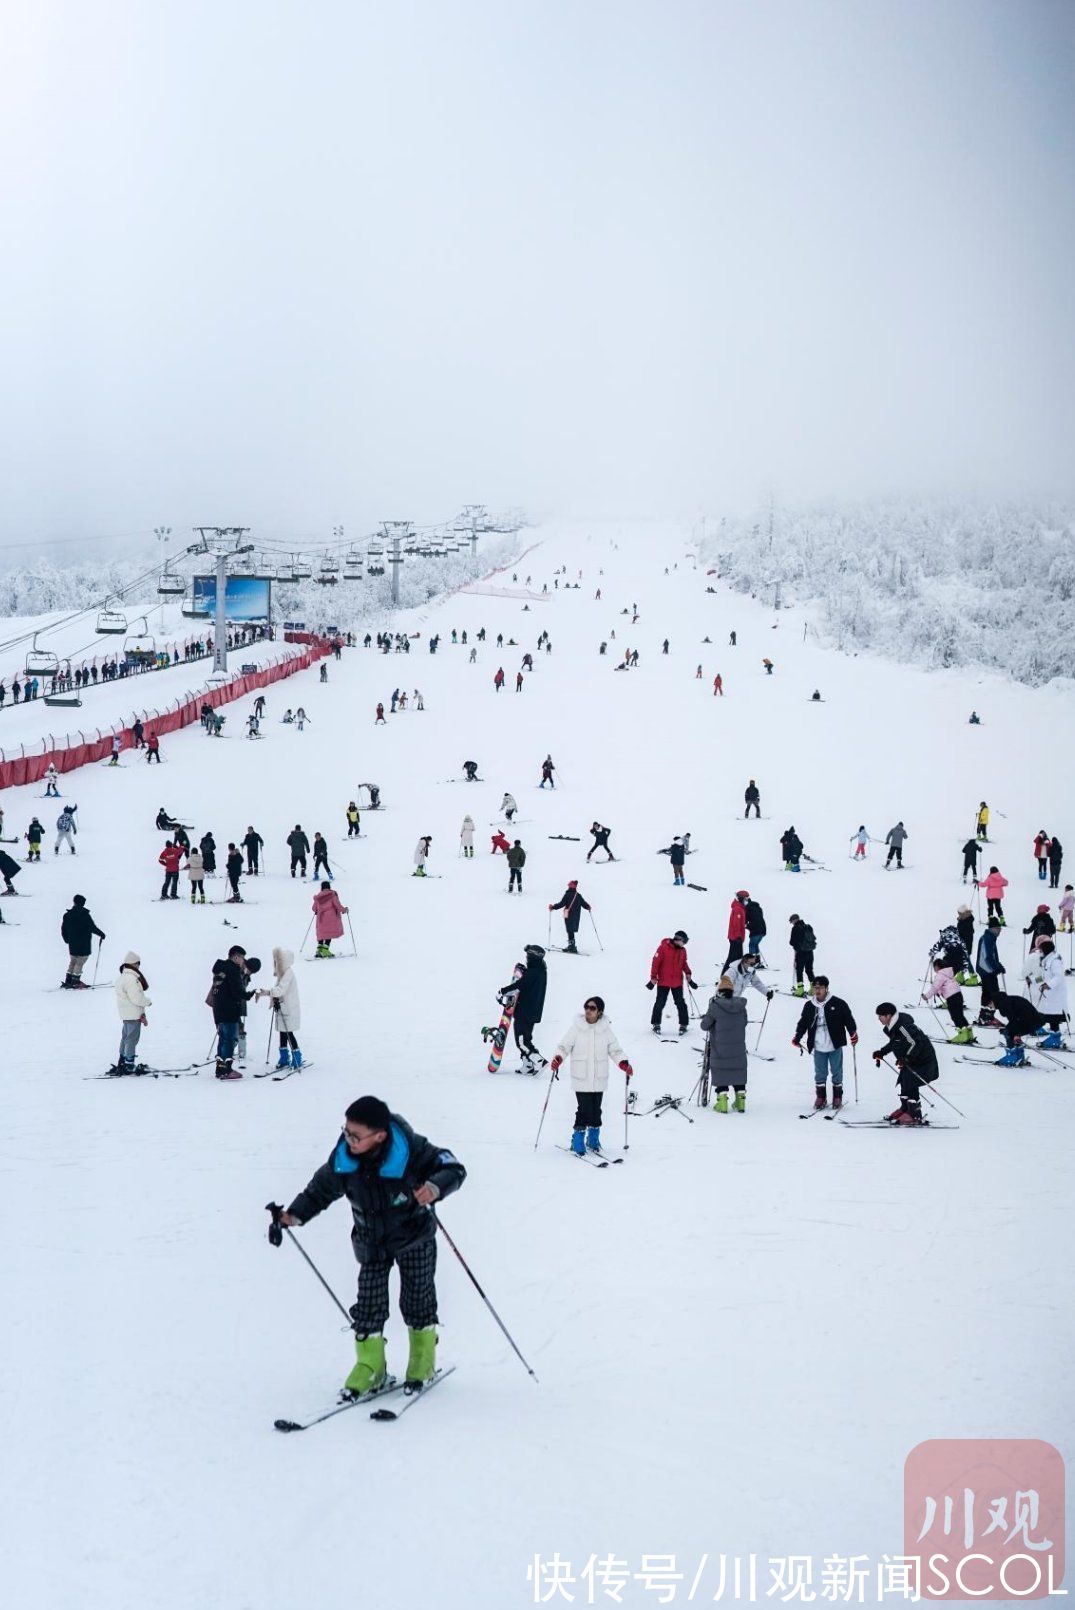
725, 1027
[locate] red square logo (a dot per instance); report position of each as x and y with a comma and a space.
985, 1518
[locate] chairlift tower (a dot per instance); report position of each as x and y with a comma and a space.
396, 532
222, 542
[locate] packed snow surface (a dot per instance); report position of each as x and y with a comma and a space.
739, 1334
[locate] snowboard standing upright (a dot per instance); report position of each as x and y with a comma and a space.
499, 1035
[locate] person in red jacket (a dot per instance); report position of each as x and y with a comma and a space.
169, 858
718, 685
500, 842
737, 928
667, 971
498, 680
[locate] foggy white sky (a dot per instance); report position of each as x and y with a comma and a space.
293, 262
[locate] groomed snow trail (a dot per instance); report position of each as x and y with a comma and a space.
740, 1334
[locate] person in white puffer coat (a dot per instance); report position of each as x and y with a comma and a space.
131, 1002
284, 995
590, 1042
1049, 991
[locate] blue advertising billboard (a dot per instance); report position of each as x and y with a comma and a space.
247, 598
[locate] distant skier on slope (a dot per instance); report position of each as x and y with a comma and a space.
572, 904
896, 838
601, 837
915, 1058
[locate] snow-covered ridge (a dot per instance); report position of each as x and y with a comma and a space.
937, 584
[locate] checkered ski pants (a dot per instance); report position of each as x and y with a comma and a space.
417, 1289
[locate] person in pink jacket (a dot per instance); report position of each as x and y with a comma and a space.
328, 915
994, 886
944, 986
1066, 909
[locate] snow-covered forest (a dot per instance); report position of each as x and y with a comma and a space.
938, 584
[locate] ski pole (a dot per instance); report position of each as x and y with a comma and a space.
855, 1067
351, 931
484, 1298
272, 1021
764, 1015
96, 964
544, 1110
926, 1084
276, 1230
596, 934
548, 937
306, 936
626, 1109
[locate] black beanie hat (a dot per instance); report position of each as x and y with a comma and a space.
369, 1111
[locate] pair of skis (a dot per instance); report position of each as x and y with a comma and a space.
390, 1386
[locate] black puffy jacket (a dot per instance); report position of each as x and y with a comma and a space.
229, 991
755, 920
77, 930
838, 1021
531, 984
380, 1187
907, 1043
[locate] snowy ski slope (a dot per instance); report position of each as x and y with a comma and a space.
740, 1334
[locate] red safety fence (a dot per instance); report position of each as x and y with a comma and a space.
31, 768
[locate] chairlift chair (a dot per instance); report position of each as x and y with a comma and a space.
111, 622
40, 661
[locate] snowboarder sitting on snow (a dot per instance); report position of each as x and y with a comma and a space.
792, 846
590, 1042
668, 970
600, 841
827, 1022
975, 719
725, 1026
392, 1177
916, 1061
166, 823
815, 697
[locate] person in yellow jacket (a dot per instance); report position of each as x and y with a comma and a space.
983, 822
354, 831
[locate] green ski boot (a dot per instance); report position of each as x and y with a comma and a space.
740, 1101
422, 1359
963, 1037
799, 991
721, 1103
369, 1370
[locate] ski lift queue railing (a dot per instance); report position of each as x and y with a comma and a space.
145, 716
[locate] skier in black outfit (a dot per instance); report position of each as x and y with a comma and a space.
756, 929
803, 942
228, 997
531, 981
77, 931
299, 845
208, 849
321, 866
677, 855
915, 1057
1056, 857
470, 768
753, 799
572, 905
792, 846
971, 851
253, 844
600, 841
392, 1177
233, 866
